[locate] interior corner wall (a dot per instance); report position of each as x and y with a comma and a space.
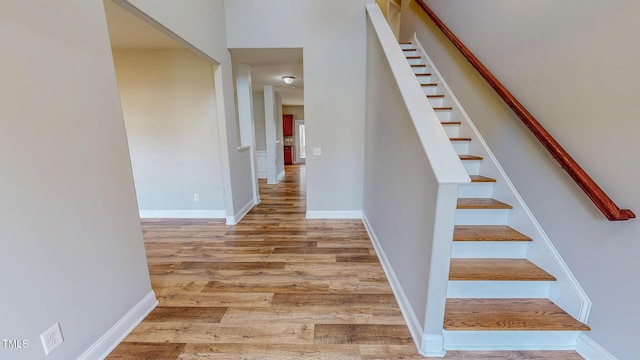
258, 121
571, 65
279, 135
296, 110
168, 102
202, 25
334, 77
72, 249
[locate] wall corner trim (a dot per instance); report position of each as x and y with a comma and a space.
591, 350
432, 346
107, 342
234, 220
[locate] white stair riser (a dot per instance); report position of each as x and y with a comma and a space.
498, 289
444, 115
407, 46
510, 340
452, 130
421, 70
431, 90
461, 147
476, 190
481, 217
489, 249
472, 166
410, 53
416, 61
425, 79
436, 102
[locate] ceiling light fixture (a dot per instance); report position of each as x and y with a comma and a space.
288, 79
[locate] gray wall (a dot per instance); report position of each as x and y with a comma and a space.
571, 63
334, 77
168, 102
71, 242
202, 24
296, 110
258, 121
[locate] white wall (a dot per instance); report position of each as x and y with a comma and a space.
201, 24
296, 110
334, 76
571, 63
279, 136
168, 101
71, 242
258, 120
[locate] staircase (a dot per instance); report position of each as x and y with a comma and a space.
507, 284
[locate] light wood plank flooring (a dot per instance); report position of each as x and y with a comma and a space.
276, 286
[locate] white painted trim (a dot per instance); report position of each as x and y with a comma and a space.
591, 350
234, 220
438, 281
107, 342
337, 214
510, 340
183, 214
405, 307
281, 176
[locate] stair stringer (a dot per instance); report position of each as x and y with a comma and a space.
566, 292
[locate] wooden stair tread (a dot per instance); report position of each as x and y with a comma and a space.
508, 314
439, 96
413, 57
487, 233
443, 108
460, 139
497, 269
481, 203
424, 74
418, 65
480, 178
410, 49
470, 157
451, 123
429, 84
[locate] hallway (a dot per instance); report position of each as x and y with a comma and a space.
276, 286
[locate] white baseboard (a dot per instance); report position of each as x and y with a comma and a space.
183, 214
410, 318
233, 220
591, 350
107, 342
338, 214
281, 176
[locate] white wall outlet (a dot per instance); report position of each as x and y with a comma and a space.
52, 338
196, 197
317, 151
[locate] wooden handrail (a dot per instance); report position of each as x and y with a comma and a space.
610, 210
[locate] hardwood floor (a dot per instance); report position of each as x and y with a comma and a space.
276, 286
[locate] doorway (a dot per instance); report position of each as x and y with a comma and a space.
300, 142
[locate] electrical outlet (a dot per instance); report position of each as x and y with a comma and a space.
196, 197
52, 338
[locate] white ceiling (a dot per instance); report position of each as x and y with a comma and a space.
268, 66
